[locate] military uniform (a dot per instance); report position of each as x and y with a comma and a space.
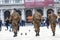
15, 18
52, 18
37, 18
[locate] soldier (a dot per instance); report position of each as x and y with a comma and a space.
37, 18
59, 17
52, 18
15, 18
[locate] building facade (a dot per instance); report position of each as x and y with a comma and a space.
19, 4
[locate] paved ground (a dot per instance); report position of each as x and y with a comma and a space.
45, 34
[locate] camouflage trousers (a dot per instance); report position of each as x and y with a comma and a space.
53, 26
37, 26
15, 27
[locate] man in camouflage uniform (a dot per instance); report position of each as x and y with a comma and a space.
52, 18
37, 18
15, 18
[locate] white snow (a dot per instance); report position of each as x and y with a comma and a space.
45, 34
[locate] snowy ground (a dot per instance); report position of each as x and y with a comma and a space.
45, 34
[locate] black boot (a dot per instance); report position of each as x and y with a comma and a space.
15, 34
53, 33
38, 34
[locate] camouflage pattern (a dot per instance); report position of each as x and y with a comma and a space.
37, 18
52, 18
15, 18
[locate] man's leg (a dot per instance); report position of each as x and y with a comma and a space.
37, 31
53, 29
15, 33
18, 27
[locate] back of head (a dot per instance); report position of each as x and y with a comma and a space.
50, 11
19, 12
15, 9
39, 10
